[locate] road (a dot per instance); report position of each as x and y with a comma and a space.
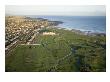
29, 42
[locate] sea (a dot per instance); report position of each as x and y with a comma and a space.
95, 24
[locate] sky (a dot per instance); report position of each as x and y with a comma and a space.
82, 10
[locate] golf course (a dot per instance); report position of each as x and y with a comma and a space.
64, 51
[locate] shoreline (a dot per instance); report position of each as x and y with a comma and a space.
89, 33
55, 24
79, 31
62, 25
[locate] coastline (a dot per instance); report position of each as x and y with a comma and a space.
78, 31
88, 33
95, 24
55, 24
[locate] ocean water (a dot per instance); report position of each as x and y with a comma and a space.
83, 23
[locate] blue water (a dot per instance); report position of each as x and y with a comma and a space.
83, 23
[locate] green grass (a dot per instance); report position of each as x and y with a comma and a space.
25, 58
89, 53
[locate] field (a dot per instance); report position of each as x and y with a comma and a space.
64, 52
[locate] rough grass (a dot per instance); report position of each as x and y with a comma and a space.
88, 55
